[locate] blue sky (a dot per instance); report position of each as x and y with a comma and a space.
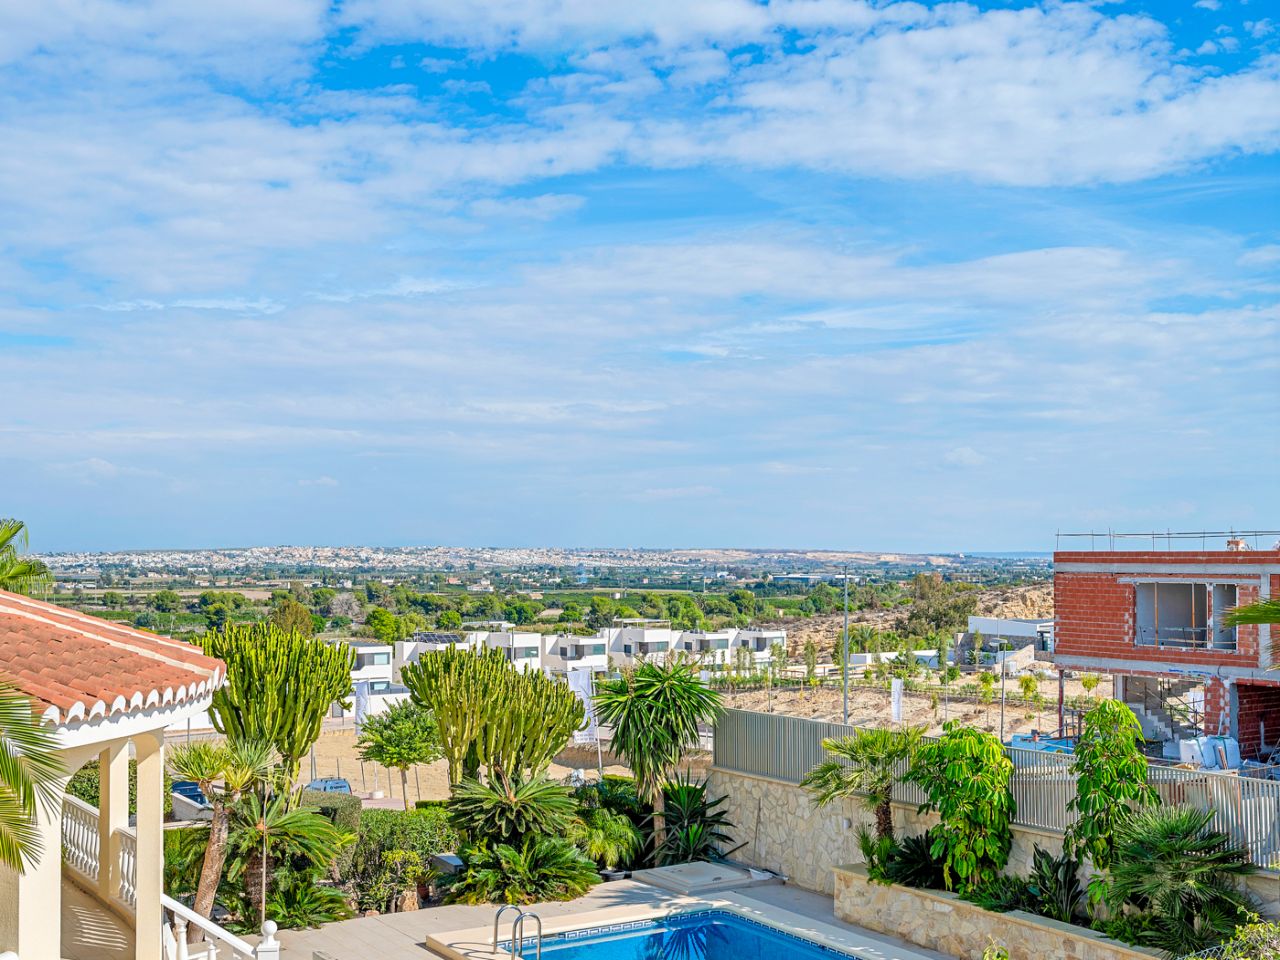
806, 273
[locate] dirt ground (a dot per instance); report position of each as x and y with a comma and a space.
335, 756
871, 705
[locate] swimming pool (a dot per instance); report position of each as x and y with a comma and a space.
702, 935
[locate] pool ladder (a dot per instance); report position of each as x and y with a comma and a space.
517, 930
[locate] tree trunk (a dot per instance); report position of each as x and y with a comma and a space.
215, 855
404, 786
659, 822
255, 884
884, 820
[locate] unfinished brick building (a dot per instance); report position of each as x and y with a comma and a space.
1153, 619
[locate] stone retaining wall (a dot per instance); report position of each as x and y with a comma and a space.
784, 832
942, 921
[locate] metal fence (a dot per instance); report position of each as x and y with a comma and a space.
786, 748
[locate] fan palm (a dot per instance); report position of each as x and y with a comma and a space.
30, 777
655, 712
1170, 862
20, 574
223, 772
864, 765
608, 838
1264, 611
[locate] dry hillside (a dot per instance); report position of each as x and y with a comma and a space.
1031, 601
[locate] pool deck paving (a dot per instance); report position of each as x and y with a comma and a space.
466, 931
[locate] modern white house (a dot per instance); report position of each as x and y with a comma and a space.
107, 692
374, 680
624, 644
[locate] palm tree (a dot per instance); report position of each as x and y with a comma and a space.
266, 830
1264, 611
223, 772
655, 712
20, 574
30, 777
864, 765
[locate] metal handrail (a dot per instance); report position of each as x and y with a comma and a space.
498, 916
517, 933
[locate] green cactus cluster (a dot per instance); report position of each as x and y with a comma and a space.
280, 685
491, 715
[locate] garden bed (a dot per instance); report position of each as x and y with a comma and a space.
942, 921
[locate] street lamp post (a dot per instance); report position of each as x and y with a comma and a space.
844, 668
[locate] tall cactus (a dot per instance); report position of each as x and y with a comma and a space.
279, 687
512, 721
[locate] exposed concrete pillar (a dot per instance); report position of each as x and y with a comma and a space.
149, 749
113, 815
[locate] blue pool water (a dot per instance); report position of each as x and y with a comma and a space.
706, 935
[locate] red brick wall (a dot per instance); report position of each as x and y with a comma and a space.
1257, 703
1094, 612
1217, 708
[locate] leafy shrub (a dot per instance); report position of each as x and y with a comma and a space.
999, 893
85, 784
183, 858
1170, 864
541, 869
1253, 942
966, 774
421, 832
506, 810
913, 864
297, 900
608, 838
431, 805
695, 828
342, 810
1055, 884
1111, 781
617, 795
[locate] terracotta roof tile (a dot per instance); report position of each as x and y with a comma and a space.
83, 668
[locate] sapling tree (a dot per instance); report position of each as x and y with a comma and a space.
1111, 781
965, 774
401, 737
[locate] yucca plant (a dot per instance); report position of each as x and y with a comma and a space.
1171, 863
696, 828
655, 711
508, 809
864, 766
1055, 884
223, 772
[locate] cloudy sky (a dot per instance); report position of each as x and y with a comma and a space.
598, 272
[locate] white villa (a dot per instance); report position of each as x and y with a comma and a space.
623, 644
108, 692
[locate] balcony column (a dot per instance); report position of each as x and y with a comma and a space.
149, 749
113, 815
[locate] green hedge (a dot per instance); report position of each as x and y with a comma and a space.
84, 785
425, 832
343, 810
431, 805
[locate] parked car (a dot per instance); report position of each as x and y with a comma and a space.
330, 785
190, 790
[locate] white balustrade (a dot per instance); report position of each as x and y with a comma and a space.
218, 944
80, 841
128, 867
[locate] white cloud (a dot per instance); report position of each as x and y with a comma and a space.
322, 481
964, 457
1208, 4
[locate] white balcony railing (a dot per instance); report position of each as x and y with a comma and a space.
81, 852
80, 839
